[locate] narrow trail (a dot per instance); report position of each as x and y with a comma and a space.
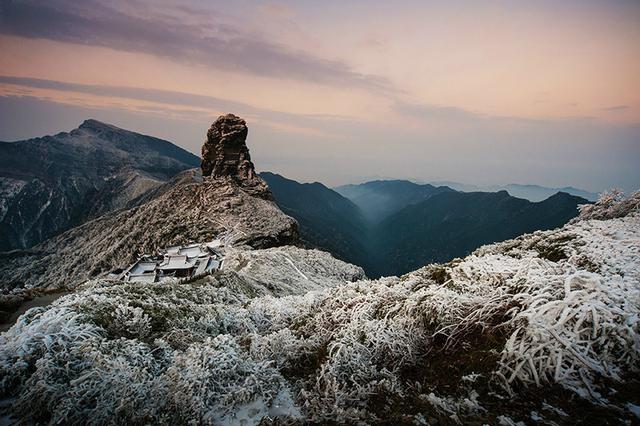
288, 259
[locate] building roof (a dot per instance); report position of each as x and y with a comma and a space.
213, 265
173, 250
199, 258
192, 251
175, 262
202, 266
143, 278
142, 266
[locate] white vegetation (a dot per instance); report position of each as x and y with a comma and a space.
611, 204
517, 331
288, 270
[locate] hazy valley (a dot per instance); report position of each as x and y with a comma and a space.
393, 227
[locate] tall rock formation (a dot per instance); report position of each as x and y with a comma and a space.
225, 154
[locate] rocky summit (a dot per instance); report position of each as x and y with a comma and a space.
231, 203
225, 154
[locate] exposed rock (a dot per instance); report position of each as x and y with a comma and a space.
225, 154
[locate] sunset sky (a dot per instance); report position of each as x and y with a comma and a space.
544, 92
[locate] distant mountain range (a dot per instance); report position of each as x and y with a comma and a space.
381, 198
453, 224
52, 183
528, 192
402, 225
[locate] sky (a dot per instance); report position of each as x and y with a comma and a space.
480, 92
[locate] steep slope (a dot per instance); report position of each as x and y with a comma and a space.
327, 220
509, 334
382, 198
53, 183
453, 224
189, 208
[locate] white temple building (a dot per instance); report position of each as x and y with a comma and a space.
179, 262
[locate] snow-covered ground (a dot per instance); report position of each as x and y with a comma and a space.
543, 328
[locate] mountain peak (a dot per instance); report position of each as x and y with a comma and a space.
225, 153
92, 124
565, 196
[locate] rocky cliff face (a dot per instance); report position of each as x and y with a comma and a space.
225, 155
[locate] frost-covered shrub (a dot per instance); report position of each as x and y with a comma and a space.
210, 382
130, 322
573, 332
113, 381
35, 334
455, 408
610, 205
273, 313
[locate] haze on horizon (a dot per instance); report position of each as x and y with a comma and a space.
478, 92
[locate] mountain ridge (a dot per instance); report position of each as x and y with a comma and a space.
52, 183
531, 192
452, 224
327, 220
189, 207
